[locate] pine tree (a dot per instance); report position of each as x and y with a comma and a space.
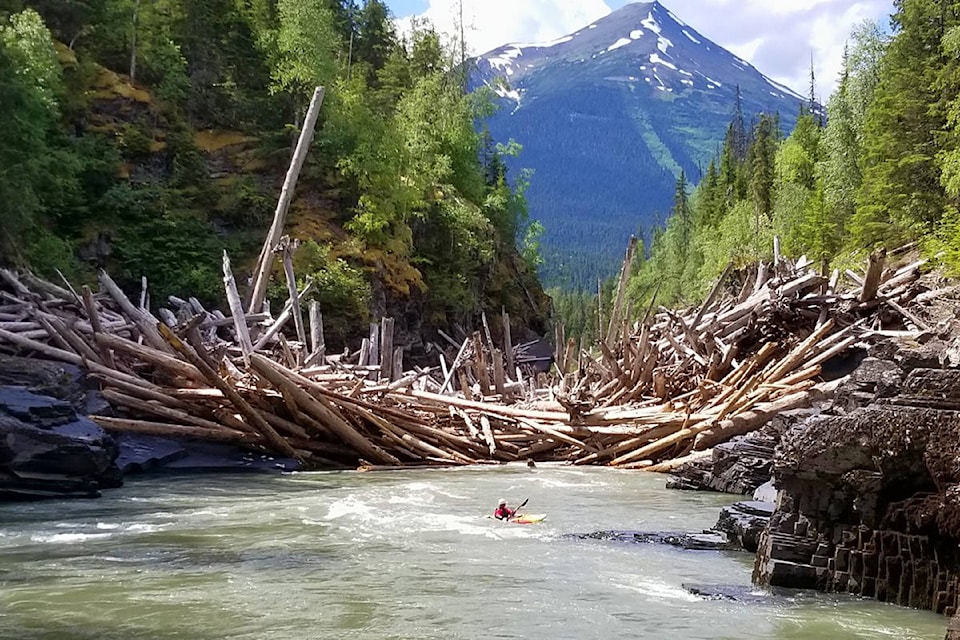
737, 134
761, 165
901, 194
375, 38
840, 167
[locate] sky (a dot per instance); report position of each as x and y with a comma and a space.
777, 36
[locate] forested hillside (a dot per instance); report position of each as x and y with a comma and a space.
881, 170
146, 136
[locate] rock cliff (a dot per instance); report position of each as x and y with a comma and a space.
869, 500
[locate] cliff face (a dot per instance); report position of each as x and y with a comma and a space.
869, 499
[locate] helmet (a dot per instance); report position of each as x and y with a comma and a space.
502, 502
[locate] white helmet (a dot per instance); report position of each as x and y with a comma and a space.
502, 502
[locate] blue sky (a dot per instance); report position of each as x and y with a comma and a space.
776, 36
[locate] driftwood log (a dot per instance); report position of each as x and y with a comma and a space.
665, 387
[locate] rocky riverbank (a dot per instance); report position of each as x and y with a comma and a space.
869, 498
49, 449
868, 486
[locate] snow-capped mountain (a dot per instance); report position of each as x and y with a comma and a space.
608, 116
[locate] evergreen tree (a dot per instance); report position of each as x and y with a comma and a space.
901, 194
375, 38
709, 202
761, 165
840, 165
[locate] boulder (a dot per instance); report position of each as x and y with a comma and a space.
740, 465
743, 522
740, 593
47, 450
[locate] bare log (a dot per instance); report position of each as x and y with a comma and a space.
236, 309
262, 270
141, 318
386, 347
871, 281
261, 425
173, 430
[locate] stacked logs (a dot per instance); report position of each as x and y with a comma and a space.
671, 384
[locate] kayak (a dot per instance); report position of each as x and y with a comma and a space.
528, 518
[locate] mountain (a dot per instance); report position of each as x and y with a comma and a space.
608, 116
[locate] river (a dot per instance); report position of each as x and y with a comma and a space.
394, 555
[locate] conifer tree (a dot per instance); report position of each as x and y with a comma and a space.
901, 194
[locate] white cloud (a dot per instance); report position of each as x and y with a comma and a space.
780, 37
491, 23
776, 36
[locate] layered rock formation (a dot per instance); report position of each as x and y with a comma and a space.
46, 448
869, 498
740, 465
49, 450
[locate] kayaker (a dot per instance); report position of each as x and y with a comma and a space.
503, 512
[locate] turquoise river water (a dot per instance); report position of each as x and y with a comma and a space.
394, 555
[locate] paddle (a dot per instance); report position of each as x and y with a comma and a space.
519, 506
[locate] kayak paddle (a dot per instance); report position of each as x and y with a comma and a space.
519, 506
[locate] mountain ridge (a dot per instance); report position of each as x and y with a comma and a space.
629, 101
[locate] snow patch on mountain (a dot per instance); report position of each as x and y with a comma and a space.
783, 88
689, 35
675, 18
636, 34
655, 59
650, 23
663, 44
622, 42
514, 95
552, 43
505, 59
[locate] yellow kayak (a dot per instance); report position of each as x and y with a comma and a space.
528, 518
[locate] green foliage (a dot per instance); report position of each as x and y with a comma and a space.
738, 239
946, 242
530, 246
577, 311
30, 48
901, 195
133, 142
105, 162
30, 82
157, 236
342, 291
308, 45
48, 254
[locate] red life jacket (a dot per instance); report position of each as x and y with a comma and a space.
502, 512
